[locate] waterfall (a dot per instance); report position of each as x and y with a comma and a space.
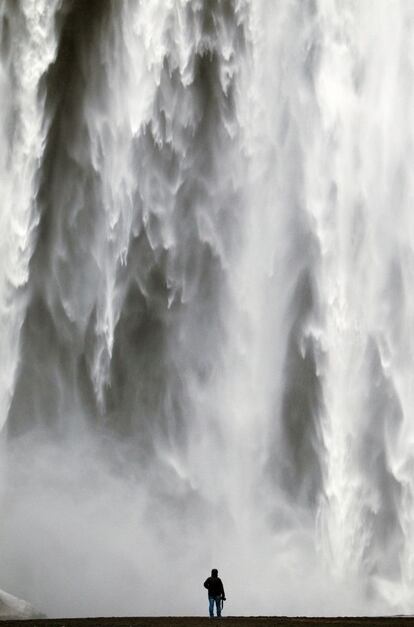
206, 251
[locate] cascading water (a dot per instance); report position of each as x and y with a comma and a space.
206, 251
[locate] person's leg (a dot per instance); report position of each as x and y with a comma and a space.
211, 606
218, 606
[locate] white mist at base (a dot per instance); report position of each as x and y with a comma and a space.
205, 305
89, 542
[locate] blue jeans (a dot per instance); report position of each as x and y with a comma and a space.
217, 601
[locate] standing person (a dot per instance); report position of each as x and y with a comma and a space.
216, 594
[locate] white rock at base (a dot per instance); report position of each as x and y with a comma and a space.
12, 607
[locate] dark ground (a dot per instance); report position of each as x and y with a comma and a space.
229, 621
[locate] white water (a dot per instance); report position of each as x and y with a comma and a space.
207, 252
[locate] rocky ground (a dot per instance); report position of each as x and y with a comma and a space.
230, 621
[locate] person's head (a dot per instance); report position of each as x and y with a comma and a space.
214, 572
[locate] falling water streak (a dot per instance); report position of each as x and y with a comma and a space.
28, 41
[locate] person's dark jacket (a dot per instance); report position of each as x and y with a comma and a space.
214, 586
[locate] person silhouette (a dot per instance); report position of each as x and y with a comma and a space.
216, 593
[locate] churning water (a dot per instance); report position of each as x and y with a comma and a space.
206, 305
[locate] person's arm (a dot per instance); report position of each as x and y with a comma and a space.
222, 592
207, 583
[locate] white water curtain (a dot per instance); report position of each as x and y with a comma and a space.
206, 305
